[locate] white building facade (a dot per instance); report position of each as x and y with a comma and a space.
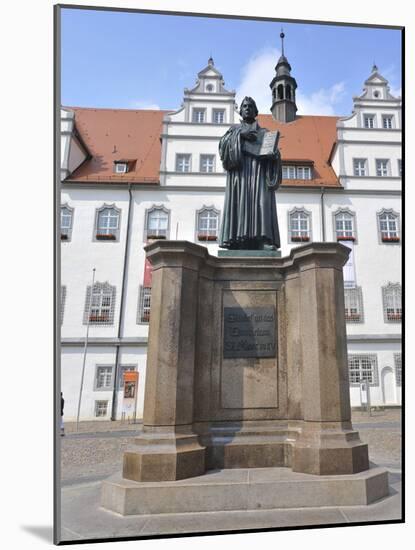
106, 220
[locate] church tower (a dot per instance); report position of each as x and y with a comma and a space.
283, 87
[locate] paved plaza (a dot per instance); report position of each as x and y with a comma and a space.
94, 452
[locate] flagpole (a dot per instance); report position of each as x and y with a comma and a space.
85, 349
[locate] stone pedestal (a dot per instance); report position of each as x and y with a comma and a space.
246, 365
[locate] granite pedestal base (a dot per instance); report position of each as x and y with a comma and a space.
244, 489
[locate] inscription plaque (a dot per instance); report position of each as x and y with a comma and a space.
249, 332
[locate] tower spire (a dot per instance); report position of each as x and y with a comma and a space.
283, 86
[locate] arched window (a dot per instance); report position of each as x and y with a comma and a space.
388, 223
207, 224
392, 302
99, 304
66, 222
288, 92
299, 225
107, 223
157, 223
344, 221
353, 305
280, 91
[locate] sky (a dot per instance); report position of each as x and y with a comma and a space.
144, 61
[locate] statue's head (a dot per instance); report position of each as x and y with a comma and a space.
248, 110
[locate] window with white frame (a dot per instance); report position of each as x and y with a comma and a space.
66, 223
108, 223
183, 162
99, 304
207, 163
63, 300
157, 223
369, 121
359, 167
198, 115
207, 224
103, 377
123, 369
120, 167
101, 408
392, 302
382, 168
345, 230
398, 368
218, 116
363, 368
144, 305
299, 226
353, 305
388, 226
387, 122
290, 172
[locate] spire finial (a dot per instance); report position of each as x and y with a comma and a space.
282, 36
374, 68
210, 61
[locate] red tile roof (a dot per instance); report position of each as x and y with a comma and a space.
307, 138
114, 134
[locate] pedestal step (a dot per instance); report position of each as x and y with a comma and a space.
244, 489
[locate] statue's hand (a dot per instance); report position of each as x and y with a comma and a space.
249, 135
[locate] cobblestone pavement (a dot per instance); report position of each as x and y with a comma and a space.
95, 451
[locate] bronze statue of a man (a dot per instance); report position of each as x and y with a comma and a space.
253, 175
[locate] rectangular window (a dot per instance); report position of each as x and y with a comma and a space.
101, 408
363, 368
183, 163
353, 305
103, 378
303, 173
207, 163
144, 304
398, 368
121, 167
387, 122
400, 168
382, 167
296, 172
218, 116
369, 121
198, 115
359, 167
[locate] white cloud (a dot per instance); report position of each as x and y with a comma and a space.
144, 104
258, 73
256, 76
322, 102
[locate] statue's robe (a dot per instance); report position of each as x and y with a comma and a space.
250, 214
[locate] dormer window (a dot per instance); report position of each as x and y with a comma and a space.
210, 87
120, 167
376, 93
292, 172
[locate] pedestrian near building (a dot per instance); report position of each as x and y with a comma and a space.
62, 405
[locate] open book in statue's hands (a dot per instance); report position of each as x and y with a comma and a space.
265, 145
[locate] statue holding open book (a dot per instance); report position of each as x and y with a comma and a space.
252, 160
